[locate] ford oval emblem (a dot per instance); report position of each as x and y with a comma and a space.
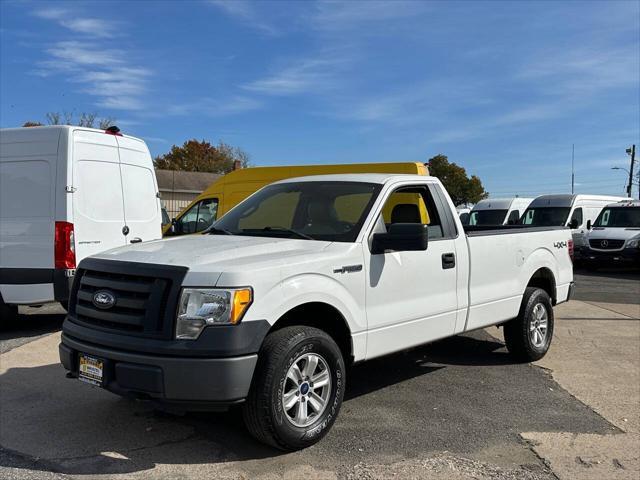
104, 299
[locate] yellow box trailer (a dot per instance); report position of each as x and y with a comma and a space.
229, 190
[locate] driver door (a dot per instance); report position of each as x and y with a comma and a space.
411, 296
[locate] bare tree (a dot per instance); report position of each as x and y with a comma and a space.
86, 119
53, 118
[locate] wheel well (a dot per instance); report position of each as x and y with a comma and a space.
543, 278
324, 317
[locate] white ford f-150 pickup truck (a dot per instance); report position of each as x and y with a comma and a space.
301, 279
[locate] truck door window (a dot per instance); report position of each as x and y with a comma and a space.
199, 217
413, 205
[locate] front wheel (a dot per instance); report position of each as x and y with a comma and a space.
528, 336
297, 388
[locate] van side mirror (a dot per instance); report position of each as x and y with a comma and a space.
573, 224
589, 225
401, 237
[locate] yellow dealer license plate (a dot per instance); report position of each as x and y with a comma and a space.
90, 370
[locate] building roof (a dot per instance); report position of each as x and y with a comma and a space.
188, 182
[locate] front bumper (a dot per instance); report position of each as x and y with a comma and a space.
187, 383
627, 256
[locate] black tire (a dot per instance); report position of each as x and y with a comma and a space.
518, 332
263, 411
8, 313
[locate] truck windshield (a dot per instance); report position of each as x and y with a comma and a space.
333, 211
619, 217
546, 216
487, 217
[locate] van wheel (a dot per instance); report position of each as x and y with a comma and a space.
297, 388
8, 313
528, 336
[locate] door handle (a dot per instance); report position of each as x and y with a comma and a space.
448, 260
135, 240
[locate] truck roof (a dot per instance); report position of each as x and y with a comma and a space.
380, 178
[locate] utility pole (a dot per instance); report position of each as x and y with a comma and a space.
631, 151
573, 151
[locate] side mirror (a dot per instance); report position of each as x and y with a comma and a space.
573, 224
589, 225
401, 237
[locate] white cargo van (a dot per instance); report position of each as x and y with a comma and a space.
498, 211
573, 211
615, 237
67, 193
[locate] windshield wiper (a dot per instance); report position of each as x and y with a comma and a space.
289, 230
217, 231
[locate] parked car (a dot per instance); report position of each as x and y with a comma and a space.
498, 211
269, 308
67, 193
229, 190
614, 238
574, 211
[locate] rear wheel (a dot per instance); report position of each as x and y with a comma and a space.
8, 313
297, 388
528, 337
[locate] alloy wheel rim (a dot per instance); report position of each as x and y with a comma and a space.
306, 390
539, 325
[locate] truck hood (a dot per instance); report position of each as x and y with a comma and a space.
217, 253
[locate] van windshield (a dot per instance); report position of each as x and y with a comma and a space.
332, 211
487, 217
546, 216
619, 217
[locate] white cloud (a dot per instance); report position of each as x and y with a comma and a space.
103, 74
585, 70
245, 12
216, 107
69, 19
334, 15
307, 76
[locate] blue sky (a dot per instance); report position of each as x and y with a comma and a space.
502, 88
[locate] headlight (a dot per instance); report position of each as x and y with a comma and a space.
633, 243
201, 307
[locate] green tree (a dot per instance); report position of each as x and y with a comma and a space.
201, 156
461, 187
